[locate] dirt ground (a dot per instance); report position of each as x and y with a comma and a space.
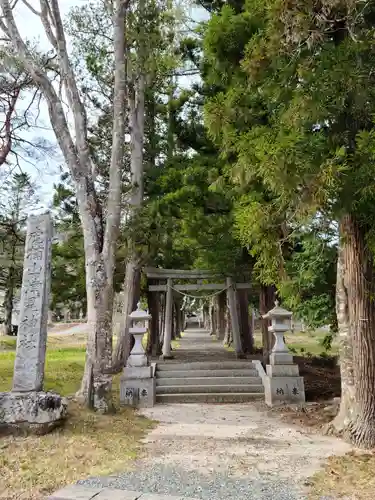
321, 376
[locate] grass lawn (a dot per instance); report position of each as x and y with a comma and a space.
303, 343
88, 444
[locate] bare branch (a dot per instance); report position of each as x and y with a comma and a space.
118, 134
45, 16
74, 98
5, 150
56, 112
29, 6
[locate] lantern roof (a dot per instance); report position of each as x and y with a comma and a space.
277, 312
139, 314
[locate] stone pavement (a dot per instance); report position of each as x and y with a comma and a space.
79, 492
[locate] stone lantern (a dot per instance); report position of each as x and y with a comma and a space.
281, 322
138, 327
137, 384
282, 382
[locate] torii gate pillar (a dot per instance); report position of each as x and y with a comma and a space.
167, 354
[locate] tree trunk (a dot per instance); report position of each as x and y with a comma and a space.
266, 302
125, 341
245, 328
356, 296
212, 316
233, 308
228, 337
207, 317
345, 416
162, 317
174, 320
8, 301
221, 307
96, 383
132, 273
153, 342
100, 238
178, 318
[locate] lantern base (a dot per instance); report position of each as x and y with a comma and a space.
281, 358
138, 392
282, 370
137, 372
284, 390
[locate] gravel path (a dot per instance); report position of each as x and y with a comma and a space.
225, 452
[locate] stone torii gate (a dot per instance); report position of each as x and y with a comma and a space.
169, 276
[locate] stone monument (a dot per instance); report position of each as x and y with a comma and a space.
27, 407
137, 384
282, 383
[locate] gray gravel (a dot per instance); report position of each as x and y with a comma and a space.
224, 452
175, 481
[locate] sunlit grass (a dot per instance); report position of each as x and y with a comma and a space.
88, 444
350, 476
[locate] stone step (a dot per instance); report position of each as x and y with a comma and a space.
83, 492
204, 365
185, 389
214, 397
203, 381
206, 373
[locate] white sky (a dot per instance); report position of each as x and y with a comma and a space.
46, 170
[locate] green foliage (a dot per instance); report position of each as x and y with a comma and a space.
309, 290
68, 283
291, 109
18, 197
327, 341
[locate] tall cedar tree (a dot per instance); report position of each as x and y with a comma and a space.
296, 114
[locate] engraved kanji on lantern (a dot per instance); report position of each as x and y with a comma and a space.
138, 327
281, 322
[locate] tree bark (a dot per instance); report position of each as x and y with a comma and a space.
245, 327
357, 363
212, 316
8, 301
99, 238
100, 246
232, 305
174, 319
206, 318
345, 414
162, 300
137, 87
178, 318
266, 302
221, 306
153, 343
228, 337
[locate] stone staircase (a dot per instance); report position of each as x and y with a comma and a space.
231, 381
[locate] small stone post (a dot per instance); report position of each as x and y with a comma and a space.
27, 407
137, 384
282, 382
